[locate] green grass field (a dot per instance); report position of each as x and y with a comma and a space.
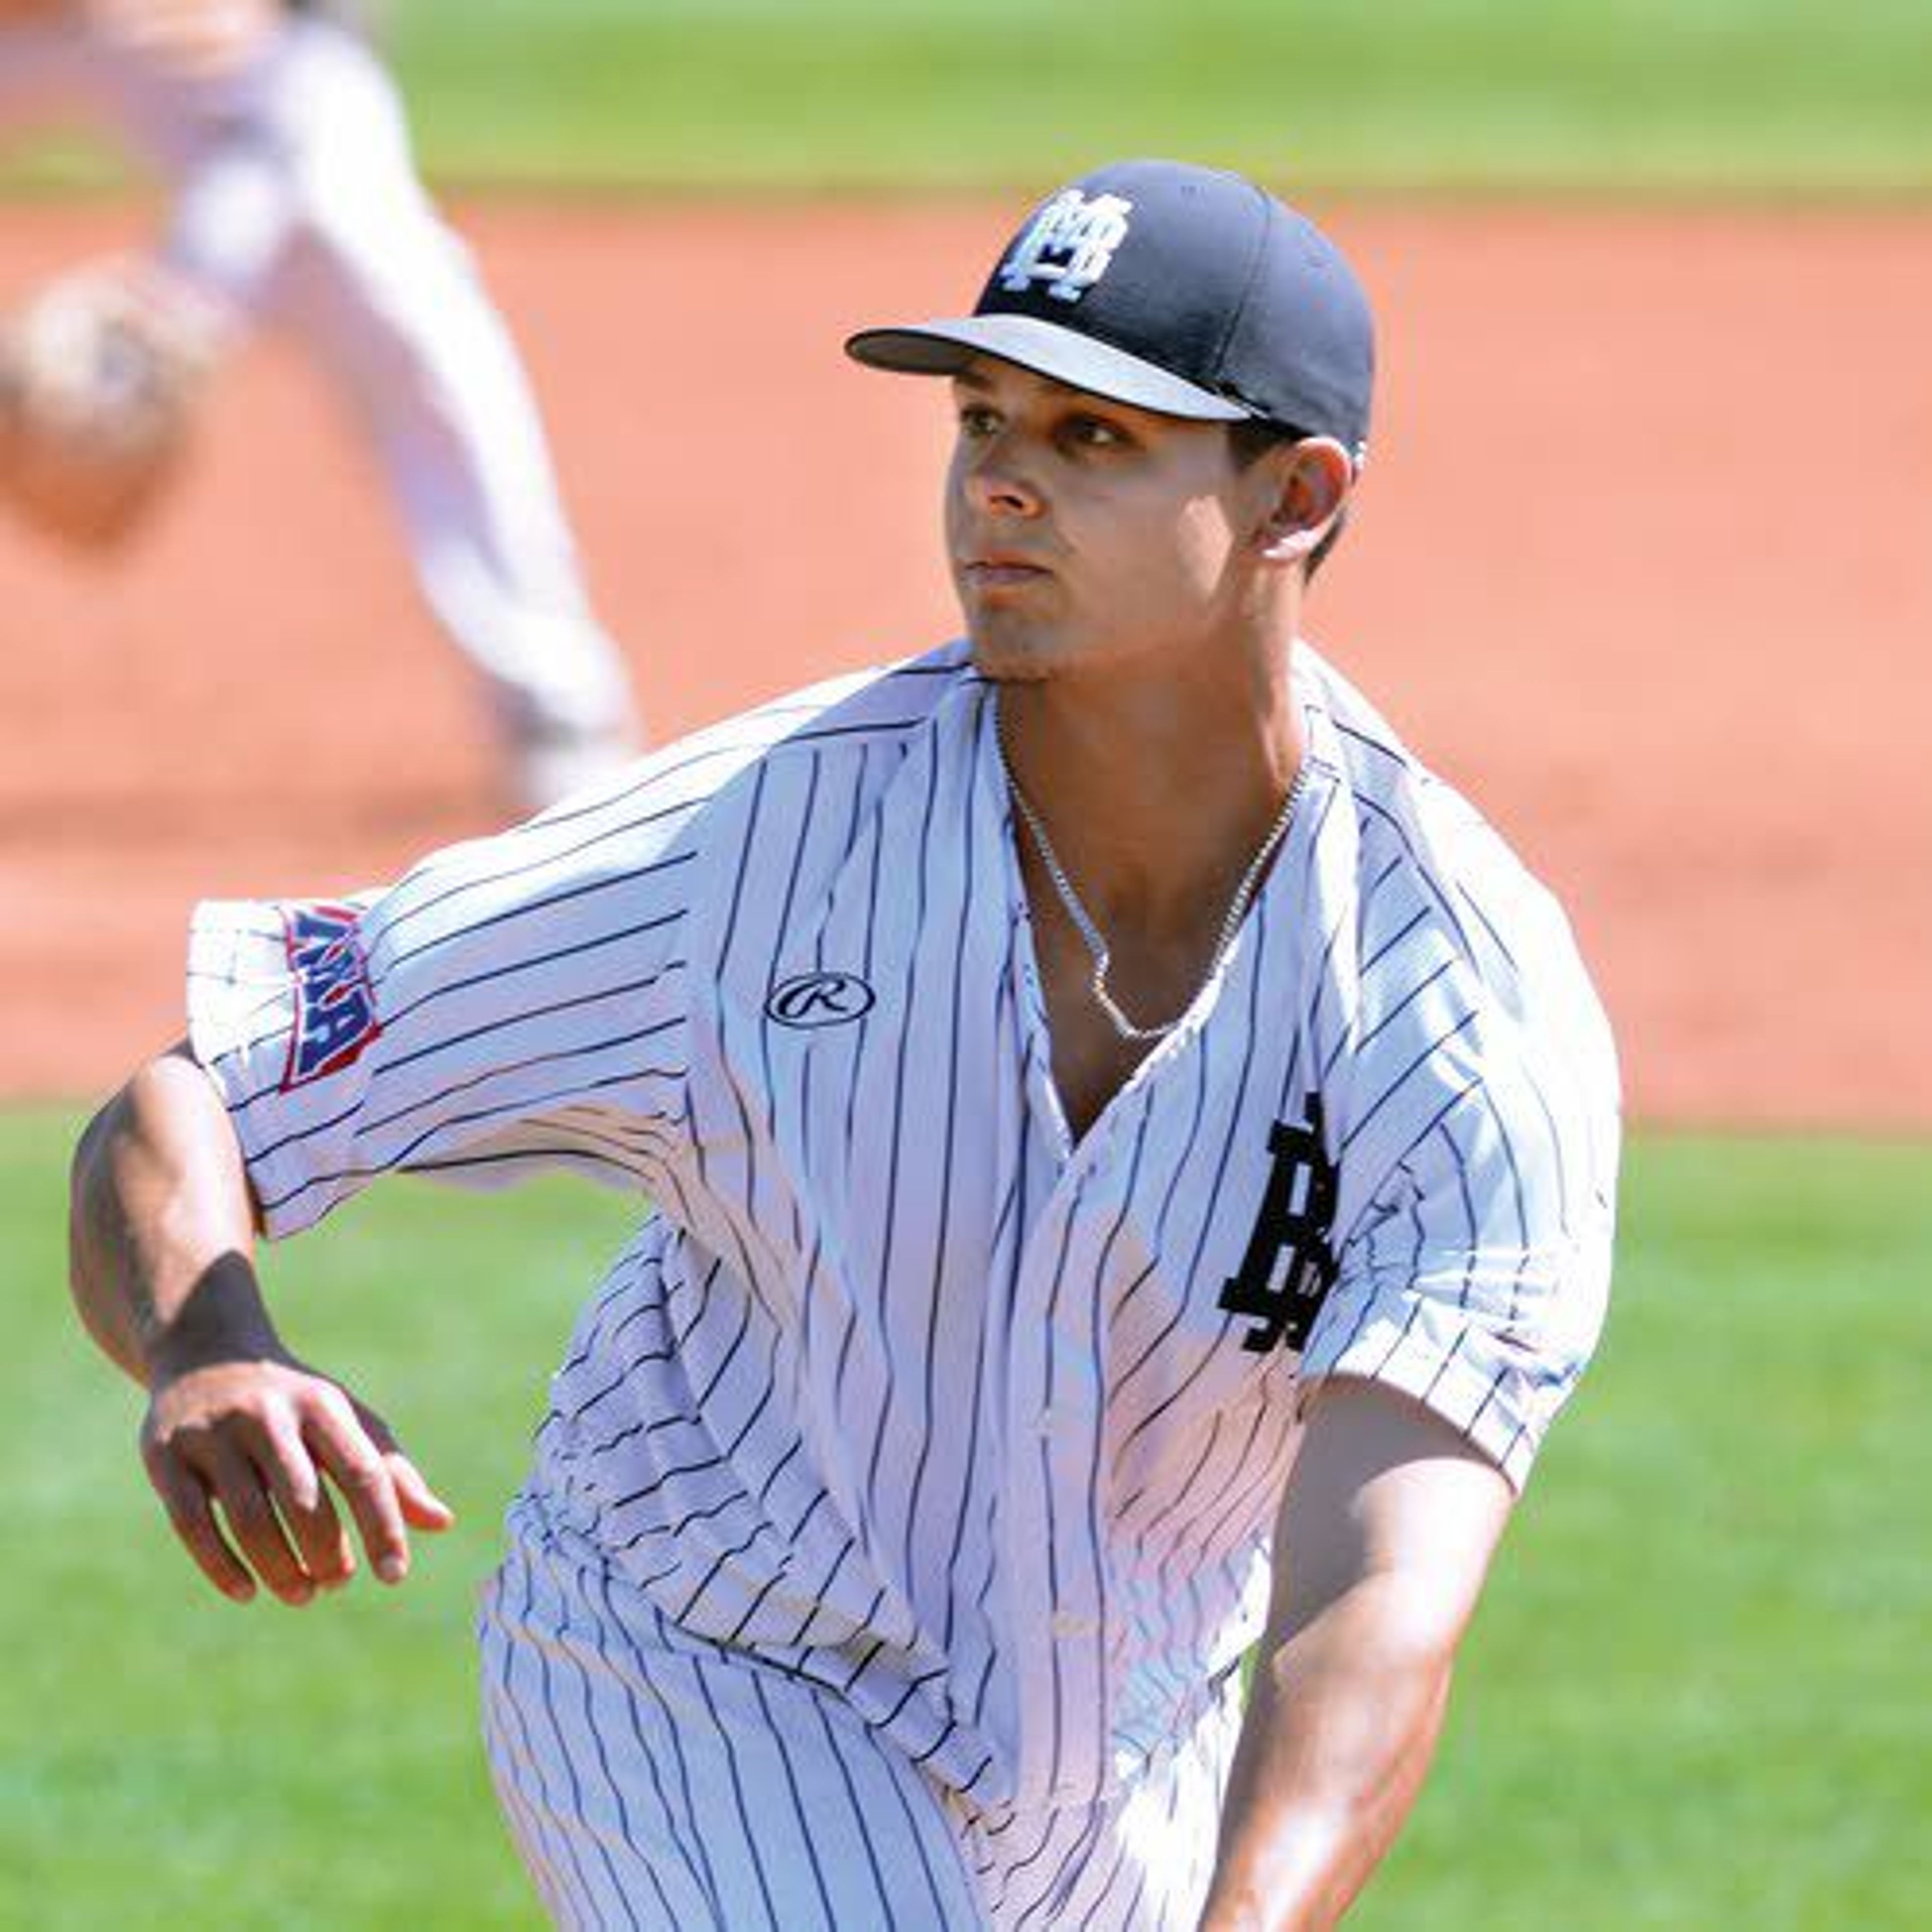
1662, 94
1659, 96
1696, 1696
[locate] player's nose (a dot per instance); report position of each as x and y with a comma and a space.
999, 482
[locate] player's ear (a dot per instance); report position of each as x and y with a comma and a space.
1312, 481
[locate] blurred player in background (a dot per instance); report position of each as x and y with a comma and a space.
296, 202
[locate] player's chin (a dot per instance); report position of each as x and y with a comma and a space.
1007, 652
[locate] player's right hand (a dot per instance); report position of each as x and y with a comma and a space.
238, 1450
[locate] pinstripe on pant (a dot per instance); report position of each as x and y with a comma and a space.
653, 1781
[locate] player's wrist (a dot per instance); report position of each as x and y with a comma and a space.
220, 1319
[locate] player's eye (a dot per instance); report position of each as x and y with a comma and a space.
976, 421
1091, 432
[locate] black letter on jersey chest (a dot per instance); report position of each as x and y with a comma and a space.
1287, 1271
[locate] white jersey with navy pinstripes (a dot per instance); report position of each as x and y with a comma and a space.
899, 1387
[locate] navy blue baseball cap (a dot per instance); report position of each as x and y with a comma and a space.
1182, 289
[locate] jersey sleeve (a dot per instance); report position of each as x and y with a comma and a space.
514, 1003
1476, 1278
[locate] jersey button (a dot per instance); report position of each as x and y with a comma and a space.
1069, 1625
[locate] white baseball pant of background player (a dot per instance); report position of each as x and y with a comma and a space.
298, 204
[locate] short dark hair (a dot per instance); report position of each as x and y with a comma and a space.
1250, 440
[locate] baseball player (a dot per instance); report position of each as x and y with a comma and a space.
1132, 1156
296, 202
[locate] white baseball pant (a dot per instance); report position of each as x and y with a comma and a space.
652, 1780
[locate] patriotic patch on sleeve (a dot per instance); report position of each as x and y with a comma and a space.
335, 1004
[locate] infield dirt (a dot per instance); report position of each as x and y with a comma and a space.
1642, 563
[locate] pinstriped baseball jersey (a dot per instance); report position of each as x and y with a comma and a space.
900, 1387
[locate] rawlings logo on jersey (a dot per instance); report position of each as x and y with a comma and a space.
1068, 245
819, 999
1289, 1267
335, 1005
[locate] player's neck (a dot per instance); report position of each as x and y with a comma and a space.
1155, 797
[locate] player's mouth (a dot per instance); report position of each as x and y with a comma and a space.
1000, 570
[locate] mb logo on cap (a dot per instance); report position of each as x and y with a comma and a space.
1068, 245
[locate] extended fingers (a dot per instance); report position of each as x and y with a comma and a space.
369, 1485
243, 1492
303, 1503
185, 1499
212, 1474
244, 1456
423, 1507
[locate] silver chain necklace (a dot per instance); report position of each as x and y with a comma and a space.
1096, 944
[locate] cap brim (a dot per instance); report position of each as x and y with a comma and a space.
945, 348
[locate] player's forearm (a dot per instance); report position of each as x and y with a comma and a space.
161, 1232
1340, 1726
